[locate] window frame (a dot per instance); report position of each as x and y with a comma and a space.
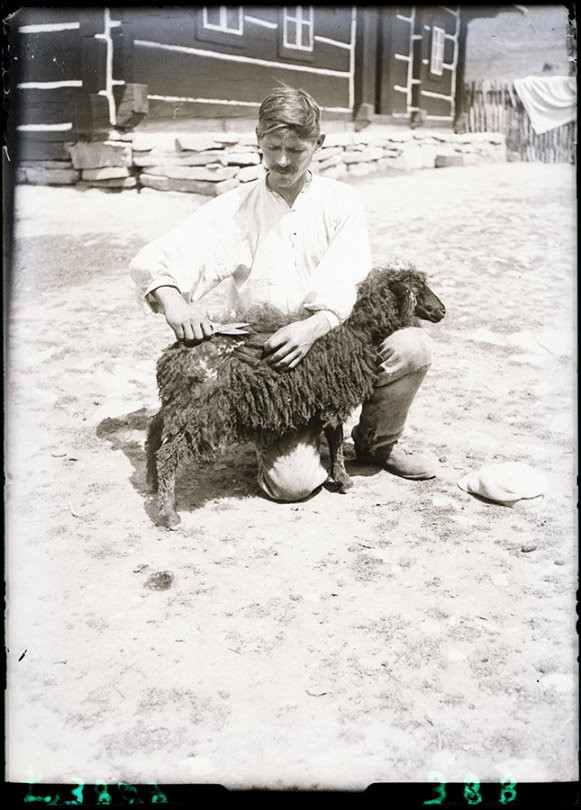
297, 51
215, 34
437, 51
223, 29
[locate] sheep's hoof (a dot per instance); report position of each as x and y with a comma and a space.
342, 485
171, 520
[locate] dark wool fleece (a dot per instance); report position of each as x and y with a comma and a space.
213, 398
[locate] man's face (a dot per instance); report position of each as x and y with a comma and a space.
287, 156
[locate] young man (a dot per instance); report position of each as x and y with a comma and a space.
297, 242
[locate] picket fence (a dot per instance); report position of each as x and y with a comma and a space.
494, 106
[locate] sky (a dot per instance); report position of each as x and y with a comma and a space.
513, 45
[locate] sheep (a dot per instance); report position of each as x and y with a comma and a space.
221, 392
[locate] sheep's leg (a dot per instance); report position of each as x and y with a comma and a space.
168, 459
152, 445
338, 475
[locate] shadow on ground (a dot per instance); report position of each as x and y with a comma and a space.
232, 475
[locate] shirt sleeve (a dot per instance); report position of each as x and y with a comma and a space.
346, 262
184, 258
332, 319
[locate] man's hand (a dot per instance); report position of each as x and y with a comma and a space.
287, 347
189, 321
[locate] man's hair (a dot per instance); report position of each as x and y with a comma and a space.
289, 107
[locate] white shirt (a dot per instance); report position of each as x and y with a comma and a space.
298, 259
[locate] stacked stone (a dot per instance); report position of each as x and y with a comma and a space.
406, 151
482, 147
328, 160
104, 164
242, 152
47, 173
210, 164
464, 150
358, 155
198, 163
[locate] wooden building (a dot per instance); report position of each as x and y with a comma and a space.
76, 73
409, 60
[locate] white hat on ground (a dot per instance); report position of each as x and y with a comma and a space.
505, 483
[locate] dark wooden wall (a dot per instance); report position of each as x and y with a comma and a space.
190, 75
74, 60
395, 34
58, 76
43, 58
366, 56
385, 76
426, 18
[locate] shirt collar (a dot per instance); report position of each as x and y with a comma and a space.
306, 186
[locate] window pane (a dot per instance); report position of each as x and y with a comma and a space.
437, 55
233, 17
212, 15
291, 32
306, 35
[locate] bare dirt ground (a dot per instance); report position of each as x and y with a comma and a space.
402, 629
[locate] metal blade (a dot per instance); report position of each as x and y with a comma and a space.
231, 329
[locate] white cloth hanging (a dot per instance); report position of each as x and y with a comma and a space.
550, 101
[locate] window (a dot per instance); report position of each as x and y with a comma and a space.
437, 59
298, 28
227, 19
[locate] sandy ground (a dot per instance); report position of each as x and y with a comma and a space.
402, 629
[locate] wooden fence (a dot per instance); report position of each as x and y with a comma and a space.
494, 106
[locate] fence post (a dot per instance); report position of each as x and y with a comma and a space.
493, 105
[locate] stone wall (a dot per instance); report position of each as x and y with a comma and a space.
210, 163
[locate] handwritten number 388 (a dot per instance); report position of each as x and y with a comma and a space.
471, 789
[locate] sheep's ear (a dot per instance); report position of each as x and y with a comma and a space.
406, 300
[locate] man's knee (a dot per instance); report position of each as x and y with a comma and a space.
288, 489
405, 352
291, 469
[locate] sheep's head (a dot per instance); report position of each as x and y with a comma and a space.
390, 299
427, 304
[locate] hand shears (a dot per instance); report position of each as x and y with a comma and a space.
231, 328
